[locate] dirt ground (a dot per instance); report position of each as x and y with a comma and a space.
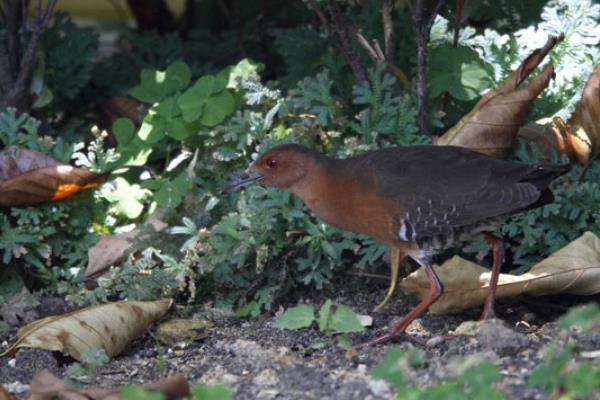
261, 362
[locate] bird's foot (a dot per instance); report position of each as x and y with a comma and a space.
488, 313
389, 336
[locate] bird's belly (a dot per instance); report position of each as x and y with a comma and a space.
369, 218
457, 236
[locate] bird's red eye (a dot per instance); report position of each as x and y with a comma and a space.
271, 163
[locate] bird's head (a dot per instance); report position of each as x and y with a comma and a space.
282, 167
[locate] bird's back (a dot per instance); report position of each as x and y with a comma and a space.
448, 193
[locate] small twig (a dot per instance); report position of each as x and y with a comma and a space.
374, 51
20, 74
342, 27
378, 50
422, 22
457, 19
389, 39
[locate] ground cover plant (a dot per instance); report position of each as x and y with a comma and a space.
173, 109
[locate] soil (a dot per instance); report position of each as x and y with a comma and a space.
261, 362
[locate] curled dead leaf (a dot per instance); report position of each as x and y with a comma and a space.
183, 330
574, 269
109, 327
28, 177
492, 125
572, 139
590, 110
46, 386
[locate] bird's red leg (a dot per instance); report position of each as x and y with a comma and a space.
435, 291
497, 256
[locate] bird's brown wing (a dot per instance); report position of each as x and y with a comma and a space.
445, 188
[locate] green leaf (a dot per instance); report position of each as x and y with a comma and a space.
191, 102
124, 131
179, 75
459, 71
178, 129
136, 392
242, 70
152, 129
217, 108
583, 380
324, 315
128, 200
548, 375
4, 327
390, 369
344, 320
301, 316
156, 85
218, 391
171, 193
480, 378
585, 317
250, 309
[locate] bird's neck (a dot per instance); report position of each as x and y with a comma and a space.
321, 187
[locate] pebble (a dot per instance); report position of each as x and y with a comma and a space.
502, 340
435, 341
380, 388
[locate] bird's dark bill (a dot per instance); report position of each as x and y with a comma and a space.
241, 180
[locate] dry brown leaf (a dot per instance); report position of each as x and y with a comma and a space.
46, 386
541, 133
573, 269
590, 110
492, 125
28, 177
571, 138
4, 395
113, 249
109, 327
179, 330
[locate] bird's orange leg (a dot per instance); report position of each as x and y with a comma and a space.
435, 291
497, 256
395, 260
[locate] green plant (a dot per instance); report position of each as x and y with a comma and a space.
137, 392
217, 391
562, 375
341, 321
475, 382
69, 56
91, 361
40, 239
151, 275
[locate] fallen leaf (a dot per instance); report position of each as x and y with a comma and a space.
46, 386
109, 327
571, 138
4, 395
183, 330
28, 177
111, 250
574, 269
492, 125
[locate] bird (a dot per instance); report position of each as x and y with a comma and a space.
420, 200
